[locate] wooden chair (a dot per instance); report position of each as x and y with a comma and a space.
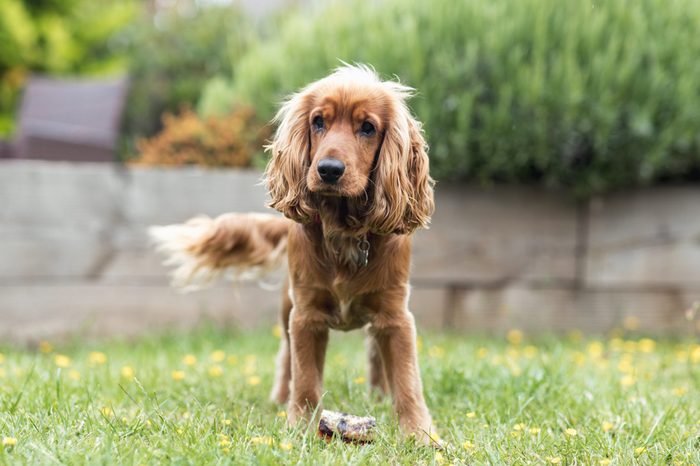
68, 119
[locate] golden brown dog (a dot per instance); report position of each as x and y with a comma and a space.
349, 171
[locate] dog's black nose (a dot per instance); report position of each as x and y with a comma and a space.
330, 170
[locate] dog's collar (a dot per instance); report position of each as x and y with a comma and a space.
363, 246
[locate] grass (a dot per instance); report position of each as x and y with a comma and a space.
201, 398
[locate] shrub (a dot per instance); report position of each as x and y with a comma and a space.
585, 95
222, 141
172, 58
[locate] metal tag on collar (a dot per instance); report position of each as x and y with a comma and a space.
363, 246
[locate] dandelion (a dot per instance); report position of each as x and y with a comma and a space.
436, 352
215, 371
61, 360
127, 372
249, 370
9, 441
604, 462
595, 349
519, 426
467, 445
277, 331
554, 459
218, 356
639, 450
695, 354
514, 336
647, 345
286, 446
224, 441
232, 360
419, 343
253, 380
45, 347
579, 358
627, 381
534, 430
359, 380
226, 422
250, 359
571, 432
177, 375
607, 426
263, 440
107, 411
189, 360
282, 414
482, 352
530, 351
439, 459
73, 374
97, 358
471, 415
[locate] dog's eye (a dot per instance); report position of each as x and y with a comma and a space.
317, 123
367, 129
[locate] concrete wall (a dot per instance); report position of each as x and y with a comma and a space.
74, 255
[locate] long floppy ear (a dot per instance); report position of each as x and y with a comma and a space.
403, 189
285, 175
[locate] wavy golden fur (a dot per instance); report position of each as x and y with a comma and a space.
349, 170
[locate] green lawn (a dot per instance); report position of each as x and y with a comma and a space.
201, 398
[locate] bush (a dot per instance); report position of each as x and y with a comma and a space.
585, 95
57, 37
172, 57
228, 141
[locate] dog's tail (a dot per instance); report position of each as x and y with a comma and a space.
241, 246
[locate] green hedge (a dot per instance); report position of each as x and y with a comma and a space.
587, 95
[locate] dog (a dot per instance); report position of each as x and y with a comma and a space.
349, 171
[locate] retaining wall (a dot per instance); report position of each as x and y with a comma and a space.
74, 255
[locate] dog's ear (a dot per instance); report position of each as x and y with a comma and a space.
285, 175
403, 189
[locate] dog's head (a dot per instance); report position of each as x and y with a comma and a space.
351, 135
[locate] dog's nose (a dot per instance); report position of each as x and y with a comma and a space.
330, 170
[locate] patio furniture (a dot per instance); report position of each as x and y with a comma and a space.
68, 119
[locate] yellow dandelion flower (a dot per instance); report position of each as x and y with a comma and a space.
218, 356
467, 445
695, 353
2, 358
97, 358
224, 442
107, 411
616, 344
189, 360
514, 336
359, 380
253, 380
471, 415
62, 360
631, 323
571, 432
554, 459
263, 440
226, 450
45, 347
186, 415
579, 358
604, 462
482, 352
627, 381
530, 351
515, 434
178, 375
436, 352
286, 446
419, 343
534, 430
595, 349
680, 391
639, 450
282, 413
215, 371
439, 459
519, 426
127, 372
607, 426
435, 437
277, 331
73, 374
249, 370
180, 431
629, 346
232, 360
9, 441
647, 345
226, 422
250, 359
515, 370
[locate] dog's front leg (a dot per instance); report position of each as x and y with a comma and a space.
308, 333
395, 334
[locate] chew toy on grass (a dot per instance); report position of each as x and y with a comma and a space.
349, 428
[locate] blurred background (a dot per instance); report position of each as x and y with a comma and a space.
565, 138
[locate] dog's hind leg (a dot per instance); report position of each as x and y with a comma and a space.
283, 372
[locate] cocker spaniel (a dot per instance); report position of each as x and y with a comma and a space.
349, 171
